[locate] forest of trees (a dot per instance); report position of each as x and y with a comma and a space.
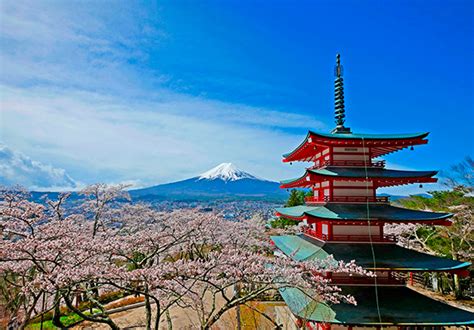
455, 241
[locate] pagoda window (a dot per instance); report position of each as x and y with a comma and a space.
324, 229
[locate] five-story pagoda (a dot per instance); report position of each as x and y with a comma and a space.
345, 218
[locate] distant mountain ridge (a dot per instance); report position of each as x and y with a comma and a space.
225, 181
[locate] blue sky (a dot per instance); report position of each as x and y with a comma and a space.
147, 92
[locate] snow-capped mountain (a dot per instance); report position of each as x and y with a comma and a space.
226, 172
224, 181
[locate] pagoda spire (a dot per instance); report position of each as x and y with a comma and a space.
339, 109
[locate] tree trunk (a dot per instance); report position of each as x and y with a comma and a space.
158, 313
168, 320
210, 322
147, 310
457, 287
57, 313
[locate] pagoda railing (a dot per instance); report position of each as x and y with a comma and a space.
363, 238
348, 238
310, 232
347, 199
357, 163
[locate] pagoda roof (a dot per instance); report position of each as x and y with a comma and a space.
381, 143
397, 306
388, 177
387, 256
360, 136
358, 212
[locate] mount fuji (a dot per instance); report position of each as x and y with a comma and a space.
224, 181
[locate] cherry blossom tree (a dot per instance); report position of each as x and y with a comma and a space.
49, 254
187, 258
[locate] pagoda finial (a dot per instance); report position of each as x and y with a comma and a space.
340, 112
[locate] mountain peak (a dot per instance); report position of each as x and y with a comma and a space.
226, 172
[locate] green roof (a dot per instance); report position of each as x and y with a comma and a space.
298, 248
354, 172
342, 211
388, 256
370, 136
371, 172
397, 306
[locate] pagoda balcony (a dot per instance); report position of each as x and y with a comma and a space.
350, 163
346, 199
349, 238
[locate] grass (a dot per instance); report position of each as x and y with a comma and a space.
67, 320
73, 318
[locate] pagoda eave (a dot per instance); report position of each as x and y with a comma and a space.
381, 145
310, 179
364, 222
374, 257
388, 306
345, 213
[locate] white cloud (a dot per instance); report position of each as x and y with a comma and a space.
105, 138
69, 96
16, 168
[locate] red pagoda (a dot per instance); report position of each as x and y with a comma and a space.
345, 218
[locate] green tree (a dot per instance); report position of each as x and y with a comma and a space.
455, 241
297, 197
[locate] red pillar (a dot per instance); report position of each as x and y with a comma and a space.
331, 190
